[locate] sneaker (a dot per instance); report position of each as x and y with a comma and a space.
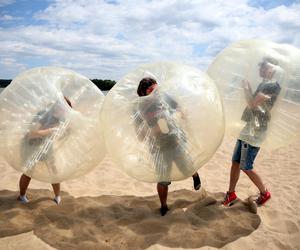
23, 199
197, 182
164, 210
262, 198
57, 199
229, 198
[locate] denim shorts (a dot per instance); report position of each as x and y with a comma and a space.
244, 154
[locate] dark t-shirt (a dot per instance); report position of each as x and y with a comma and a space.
160, 107
157, 107
46, 119
257, 119
262, 113
35, 149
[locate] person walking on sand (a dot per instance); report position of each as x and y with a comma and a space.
43, 126
167, 138
257, 116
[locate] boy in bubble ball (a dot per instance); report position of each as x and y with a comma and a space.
257, 116
47, 123
166, 141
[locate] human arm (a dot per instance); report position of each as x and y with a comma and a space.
39, 127
265, 94
247, 91
258, 100
174, 108
253, 100
40, 133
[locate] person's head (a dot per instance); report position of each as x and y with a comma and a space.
267, 67
146, 86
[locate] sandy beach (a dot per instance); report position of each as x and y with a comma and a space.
107, 209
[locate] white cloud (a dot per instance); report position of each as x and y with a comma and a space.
10, 66
9, 18
8, 61
6, 18
6, 2
104, 40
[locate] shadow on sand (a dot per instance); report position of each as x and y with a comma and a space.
196, 219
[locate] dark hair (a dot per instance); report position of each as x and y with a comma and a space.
269, 60
145, 83
68, 101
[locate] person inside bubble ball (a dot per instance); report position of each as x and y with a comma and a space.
166, 141
257, 116
37, 145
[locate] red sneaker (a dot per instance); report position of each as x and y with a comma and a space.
229, 199
262, 198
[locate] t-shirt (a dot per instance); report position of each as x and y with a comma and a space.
160, 107
31, 146
257, 118
157, 107
46, 119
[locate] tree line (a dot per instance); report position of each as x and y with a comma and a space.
101, 84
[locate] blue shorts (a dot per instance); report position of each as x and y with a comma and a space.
244, 154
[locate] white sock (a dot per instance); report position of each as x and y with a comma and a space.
57, 199
23, 199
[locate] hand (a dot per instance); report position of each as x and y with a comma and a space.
180, 116
247, 91
246, 84
51, 130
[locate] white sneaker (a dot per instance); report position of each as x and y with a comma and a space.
57, 199
23, 199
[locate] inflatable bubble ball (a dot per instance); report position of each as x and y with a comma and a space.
50, 124
162, 121
259, 82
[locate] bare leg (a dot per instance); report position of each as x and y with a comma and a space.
162, 191
163, 194
56, 188
24, 183
234, 176
255, 178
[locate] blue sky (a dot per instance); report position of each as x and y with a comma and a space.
269, 4
21, 12
108, 38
